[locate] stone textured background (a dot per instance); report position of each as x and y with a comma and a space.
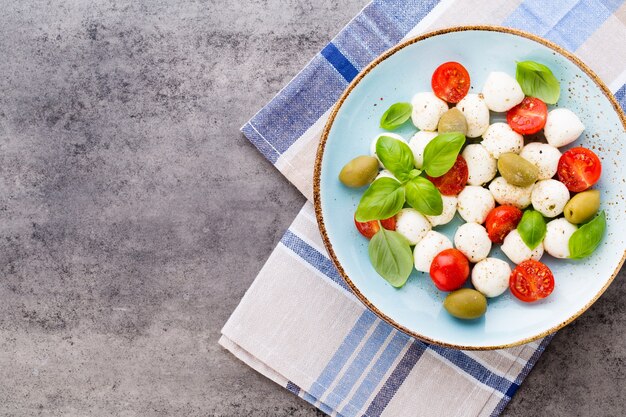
134, 215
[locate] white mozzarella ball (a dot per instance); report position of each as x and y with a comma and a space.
412, 224
502, 92
475, 203
543, 156
549, 197
476, 114
482, 167
427, 248
473, 241
505, 193
427, 110
385, 173
418, 143
491, 276
562, 127
517, 251
556, 242
500, 138
375, 141
449, 209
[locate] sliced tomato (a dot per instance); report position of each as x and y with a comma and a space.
453, 181
369, 229
449, 270
531, 281
528, 117
579, 169
501, 220
451, 82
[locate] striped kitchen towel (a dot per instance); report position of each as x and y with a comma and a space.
298, 324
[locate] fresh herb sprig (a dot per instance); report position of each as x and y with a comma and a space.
389, 251
532, 228
396, 115
440, 153
391, 256
537, 80
386, 196
587, 238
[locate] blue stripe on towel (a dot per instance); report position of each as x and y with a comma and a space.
525, 371
318, 404
343, 353
534, 358
339, 62
405, 14
531, 15
586, 16
306, 97
620, 95
313, 257
380, 26
396, 379
293, 388
265, 147
358, 365
376, 374
475, 369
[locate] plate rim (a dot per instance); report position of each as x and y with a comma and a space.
320, 155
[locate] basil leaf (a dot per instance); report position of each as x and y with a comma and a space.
396, 156
391, 256
587, 238
396, 115
532, 228
441, 152
424, 197
383, 199
414, 174
538, 81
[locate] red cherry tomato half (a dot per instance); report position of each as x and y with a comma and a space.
369, 229
531, 281
528, 117
451, 82
449, 270
500, 221
453, 181
579, 169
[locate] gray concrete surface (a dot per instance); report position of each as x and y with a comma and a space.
134, 215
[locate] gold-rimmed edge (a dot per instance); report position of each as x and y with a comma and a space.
320, 154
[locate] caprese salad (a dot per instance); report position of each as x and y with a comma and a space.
511, 189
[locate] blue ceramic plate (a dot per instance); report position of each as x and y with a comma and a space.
417, 307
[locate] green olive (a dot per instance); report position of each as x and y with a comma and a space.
465, 303
517, 170
452, 121
582, 207
359, 172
